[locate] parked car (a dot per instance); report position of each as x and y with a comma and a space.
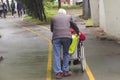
78, 2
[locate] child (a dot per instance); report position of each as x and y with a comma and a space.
77, 36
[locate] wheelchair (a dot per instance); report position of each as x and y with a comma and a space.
78, 57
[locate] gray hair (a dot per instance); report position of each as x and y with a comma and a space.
61, 11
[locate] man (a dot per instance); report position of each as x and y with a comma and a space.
19, 8
13, 8
4, 10
61, 38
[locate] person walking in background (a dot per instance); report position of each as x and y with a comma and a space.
1, 9
24, 10
4, 10
19, 9
13, 8
61, 38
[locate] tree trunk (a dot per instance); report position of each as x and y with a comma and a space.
7, 1
43, 12
2, 1
40, 10
37, 11
35, 8
86, 9
59, 4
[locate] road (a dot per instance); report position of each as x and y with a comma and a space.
27, 52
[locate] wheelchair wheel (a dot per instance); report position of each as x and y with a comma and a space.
82, 59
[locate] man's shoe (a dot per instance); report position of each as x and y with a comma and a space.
67, 73
59, 75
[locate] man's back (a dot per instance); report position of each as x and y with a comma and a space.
4, 6
12, 5
61, 26
19, 6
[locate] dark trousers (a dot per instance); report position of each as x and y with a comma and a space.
13, 12
20, 13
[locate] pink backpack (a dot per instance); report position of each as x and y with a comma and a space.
81, 35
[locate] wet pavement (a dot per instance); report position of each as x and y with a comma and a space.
25, 53
102, 57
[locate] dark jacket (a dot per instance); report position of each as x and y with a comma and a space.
4, 8
13, 5
19, 6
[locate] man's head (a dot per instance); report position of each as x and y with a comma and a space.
61, 11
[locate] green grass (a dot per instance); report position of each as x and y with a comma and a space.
29, 18
50, 12
89, 22
71, 7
